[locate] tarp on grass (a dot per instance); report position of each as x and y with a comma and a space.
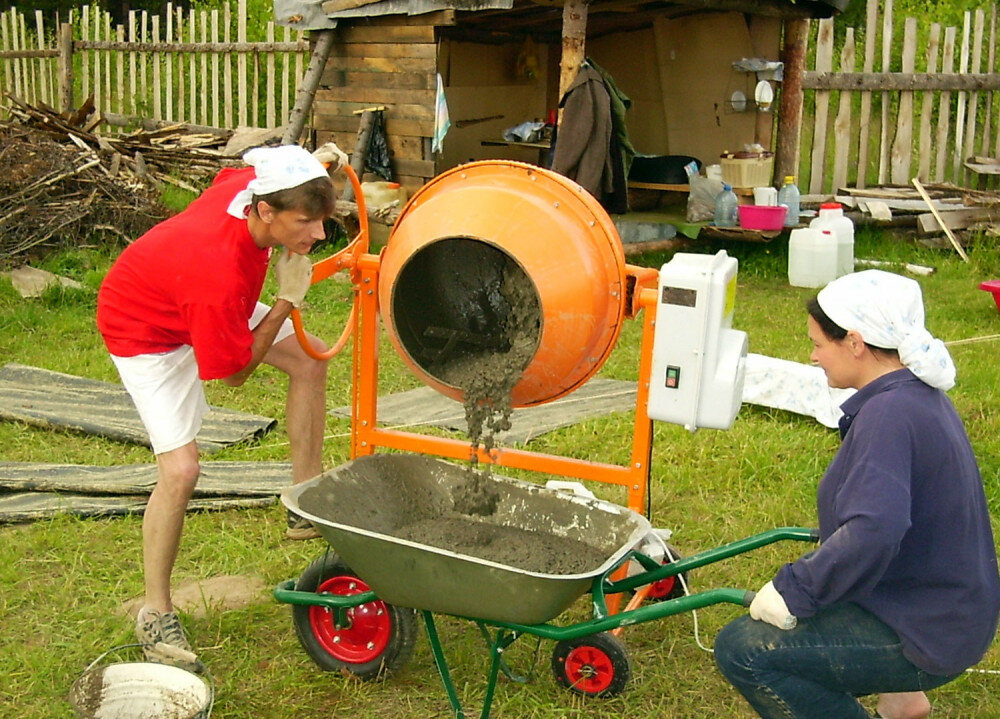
425, 406
51, 399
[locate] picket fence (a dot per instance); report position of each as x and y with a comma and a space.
918, 114
197, 67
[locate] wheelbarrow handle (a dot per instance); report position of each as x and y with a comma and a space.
748, 598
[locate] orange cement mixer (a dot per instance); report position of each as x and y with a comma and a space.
489, 243
505, 258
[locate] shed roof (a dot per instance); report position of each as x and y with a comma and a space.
541, 18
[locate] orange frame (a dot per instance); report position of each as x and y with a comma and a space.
366, 436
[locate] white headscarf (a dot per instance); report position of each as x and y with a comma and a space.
276, 168
887, 310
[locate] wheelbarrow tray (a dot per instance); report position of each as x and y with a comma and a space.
362, 507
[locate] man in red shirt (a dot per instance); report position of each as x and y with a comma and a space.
181, 305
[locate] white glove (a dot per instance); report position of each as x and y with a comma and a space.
768, 606
294, 275
332, 156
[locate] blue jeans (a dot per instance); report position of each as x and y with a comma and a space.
820, 667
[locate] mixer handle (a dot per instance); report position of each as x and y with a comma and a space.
347, 257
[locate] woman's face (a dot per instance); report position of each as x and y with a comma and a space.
834, 357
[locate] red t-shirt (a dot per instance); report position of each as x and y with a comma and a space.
193, 279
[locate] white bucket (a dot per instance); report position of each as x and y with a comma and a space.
812, 257
141, 690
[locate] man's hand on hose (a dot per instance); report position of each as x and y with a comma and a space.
769, 606
294, 275
332, 156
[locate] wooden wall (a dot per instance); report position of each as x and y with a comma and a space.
391, 62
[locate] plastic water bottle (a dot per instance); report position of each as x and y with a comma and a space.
812, 257
789, 196
831, 217
726, 207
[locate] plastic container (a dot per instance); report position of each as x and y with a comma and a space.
381, 193
812, 257
831, 217
993, 287
789, 196
743, 169
769, 218
726, 207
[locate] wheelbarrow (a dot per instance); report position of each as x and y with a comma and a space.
404, 542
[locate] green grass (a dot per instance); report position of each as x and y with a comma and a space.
65, 580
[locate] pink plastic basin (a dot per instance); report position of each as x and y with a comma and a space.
994, 287
762, 217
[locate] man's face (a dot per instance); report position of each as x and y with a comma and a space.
293, 229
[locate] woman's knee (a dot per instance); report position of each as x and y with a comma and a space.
736, 645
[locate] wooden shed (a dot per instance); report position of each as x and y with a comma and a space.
499, 66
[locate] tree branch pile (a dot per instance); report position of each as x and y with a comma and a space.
60, 183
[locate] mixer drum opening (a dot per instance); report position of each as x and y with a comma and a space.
460, 304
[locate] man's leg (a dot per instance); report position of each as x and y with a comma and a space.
306, 404
305, 417
164, 519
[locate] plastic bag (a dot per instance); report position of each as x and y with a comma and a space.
701, 198
377, 157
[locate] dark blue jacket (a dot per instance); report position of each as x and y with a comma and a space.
904, 526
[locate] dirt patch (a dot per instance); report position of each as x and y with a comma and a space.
221, 593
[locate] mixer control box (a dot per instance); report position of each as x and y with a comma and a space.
699, 360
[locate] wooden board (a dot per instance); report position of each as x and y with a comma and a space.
244, 479
51, 399
425, 406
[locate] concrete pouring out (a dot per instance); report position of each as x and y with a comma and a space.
473, 321
479, 338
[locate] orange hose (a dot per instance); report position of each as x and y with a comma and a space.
347, 257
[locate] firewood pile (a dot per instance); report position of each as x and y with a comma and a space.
941, 207
61, 183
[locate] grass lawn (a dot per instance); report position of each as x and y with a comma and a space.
65, 580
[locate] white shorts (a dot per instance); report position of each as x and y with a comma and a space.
167, 392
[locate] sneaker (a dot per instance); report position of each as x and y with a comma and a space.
300, 527
163, 642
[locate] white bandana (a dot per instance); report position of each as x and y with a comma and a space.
887, 310
276, 168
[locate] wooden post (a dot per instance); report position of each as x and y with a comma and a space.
66, 67
307, 88
360, 153
793, 54
574, 41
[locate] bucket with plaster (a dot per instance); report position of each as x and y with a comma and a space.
140, 690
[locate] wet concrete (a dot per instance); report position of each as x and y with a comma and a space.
418, 498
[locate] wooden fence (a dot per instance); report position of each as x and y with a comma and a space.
197, 67
921, 107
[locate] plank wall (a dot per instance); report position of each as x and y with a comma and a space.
390, 62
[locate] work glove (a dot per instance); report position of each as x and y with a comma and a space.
294, 275
332, 156
768, 606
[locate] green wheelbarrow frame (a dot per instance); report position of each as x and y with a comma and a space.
603, 620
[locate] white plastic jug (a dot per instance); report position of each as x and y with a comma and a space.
831, 217
812, 257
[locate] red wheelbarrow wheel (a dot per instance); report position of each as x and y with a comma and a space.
596, 665
377, 638
671, 587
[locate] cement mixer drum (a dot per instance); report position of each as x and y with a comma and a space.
508, 264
